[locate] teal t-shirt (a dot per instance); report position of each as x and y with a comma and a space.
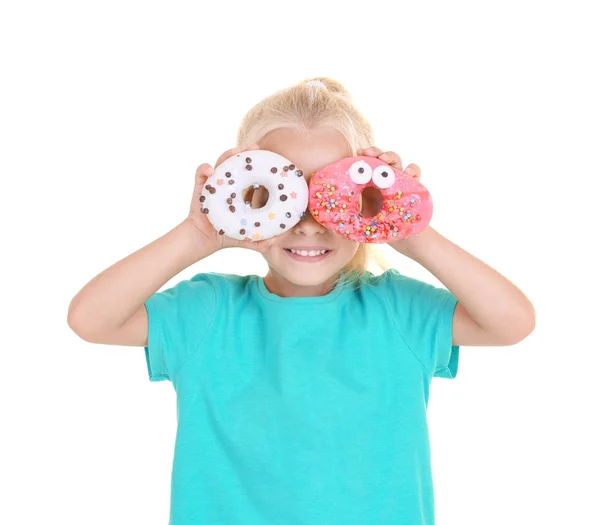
301, 410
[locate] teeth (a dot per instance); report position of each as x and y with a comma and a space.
311, 253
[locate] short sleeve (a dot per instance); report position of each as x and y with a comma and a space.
178, 320
423, 315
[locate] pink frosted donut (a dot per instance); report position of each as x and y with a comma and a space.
333, 200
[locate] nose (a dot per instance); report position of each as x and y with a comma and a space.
308, 225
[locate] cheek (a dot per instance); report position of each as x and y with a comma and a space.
348, 248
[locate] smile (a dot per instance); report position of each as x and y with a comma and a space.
308, 255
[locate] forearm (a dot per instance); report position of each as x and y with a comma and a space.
114, 295
492, 301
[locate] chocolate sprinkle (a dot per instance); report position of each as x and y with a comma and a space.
202, 198
233, 195
273, 170
204, 210
231, 181
299, 173
231, 209
257, 224
361, 170
286, 168
228, 174
384, 174
221, 232
280, 186
292, 166
212, 190
288, 214
282, 226
229, 201
248, 167
283, 198
242, 231
248, 160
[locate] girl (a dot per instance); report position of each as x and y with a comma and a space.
301, 396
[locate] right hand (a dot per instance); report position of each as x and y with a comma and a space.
201, 223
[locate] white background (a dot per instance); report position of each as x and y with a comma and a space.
107, 108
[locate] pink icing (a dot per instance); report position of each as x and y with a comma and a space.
333, 201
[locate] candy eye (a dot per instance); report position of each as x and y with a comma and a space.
360, 172
384, 177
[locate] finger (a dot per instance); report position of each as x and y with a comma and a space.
261, 246
372, 151
267, 244
203, 171
392, 158
413, 170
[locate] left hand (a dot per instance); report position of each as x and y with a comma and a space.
404, 246
410, 245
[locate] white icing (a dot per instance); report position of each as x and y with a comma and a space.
358, 177
273, 214
384, 182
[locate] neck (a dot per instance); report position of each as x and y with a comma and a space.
277, 284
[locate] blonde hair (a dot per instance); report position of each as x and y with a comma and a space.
316, 103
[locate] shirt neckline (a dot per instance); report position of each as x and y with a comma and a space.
317, 299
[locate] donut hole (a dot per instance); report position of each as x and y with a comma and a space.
370, 202
256, 195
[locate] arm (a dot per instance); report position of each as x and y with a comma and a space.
491, 311
102, 308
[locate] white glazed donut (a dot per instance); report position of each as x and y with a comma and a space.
223, 203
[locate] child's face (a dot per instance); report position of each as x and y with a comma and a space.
309, 151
